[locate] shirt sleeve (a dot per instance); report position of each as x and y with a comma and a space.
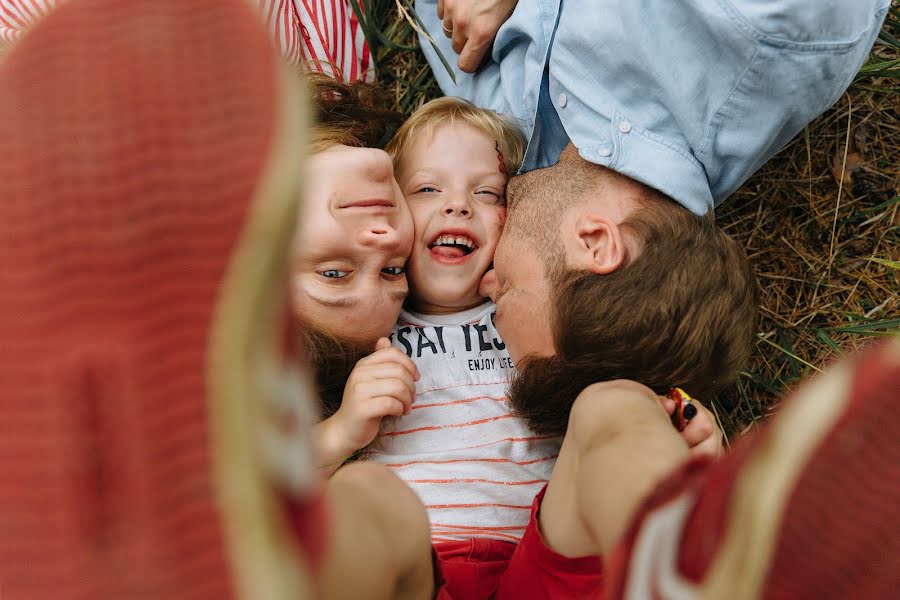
17, 16
320, 35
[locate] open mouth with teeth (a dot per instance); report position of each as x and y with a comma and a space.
453, 246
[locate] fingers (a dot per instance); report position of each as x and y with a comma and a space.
386, 354
698, 430
711, 446
472, 25
447, 28
387, 373
667, 404
395, 372
472, 51
469, 42
385, 388
388, 406
702, 434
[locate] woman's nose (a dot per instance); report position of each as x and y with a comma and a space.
380, 235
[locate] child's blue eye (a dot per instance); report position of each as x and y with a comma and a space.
426, 190
333, 274
393, 270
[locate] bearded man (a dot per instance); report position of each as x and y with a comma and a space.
641, 118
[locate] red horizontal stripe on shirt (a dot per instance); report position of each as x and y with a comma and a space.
436, 535
476, 528
463, 401
454, 481
451, 426
463, 460
455, 385
479, 505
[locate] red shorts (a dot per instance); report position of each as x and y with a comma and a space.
481, 568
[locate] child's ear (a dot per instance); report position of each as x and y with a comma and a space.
600, 246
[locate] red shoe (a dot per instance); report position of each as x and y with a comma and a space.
809, 508
147, 197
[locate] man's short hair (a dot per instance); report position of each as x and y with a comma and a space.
450, 111
682, 313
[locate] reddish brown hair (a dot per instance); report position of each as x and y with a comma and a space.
682, 313
350, 114
332, 359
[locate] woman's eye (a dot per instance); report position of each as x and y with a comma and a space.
333, 274
393, 270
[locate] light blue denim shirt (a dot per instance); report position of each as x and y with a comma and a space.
687, 96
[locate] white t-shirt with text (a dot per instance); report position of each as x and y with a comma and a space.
475, 466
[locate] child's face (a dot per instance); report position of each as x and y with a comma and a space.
455, 184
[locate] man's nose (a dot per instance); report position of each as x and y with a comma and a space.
379, 235
488, 285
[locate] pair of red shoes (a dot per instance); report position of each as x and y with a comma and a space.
136, 139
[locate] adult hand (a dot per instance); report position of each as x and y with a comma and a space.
472, 25
380, 385
702, 433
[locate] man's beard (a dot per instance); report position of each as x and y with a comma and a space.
542, 394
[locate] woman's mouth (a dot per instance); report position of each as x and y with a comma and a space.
369, 203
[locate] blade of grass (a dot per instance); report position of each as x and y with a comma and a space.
372, 31
882, 206
894, 264
791, 354
746, 398
826, 339
719, 423
768, 386
409, 13
873, 327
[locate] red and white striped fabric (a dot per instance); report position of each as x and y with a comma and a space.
17, 16
323, 35
475, 466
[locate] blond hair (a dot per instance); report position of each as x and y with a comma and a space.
450, 111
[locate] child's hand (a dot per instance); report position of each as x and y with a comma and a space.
702, 433
380, 385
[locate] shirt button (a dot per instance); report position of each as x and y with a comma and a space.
624, 126
562, 100
604, 152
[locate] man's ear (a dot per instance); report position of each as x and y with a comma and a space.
601, 247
